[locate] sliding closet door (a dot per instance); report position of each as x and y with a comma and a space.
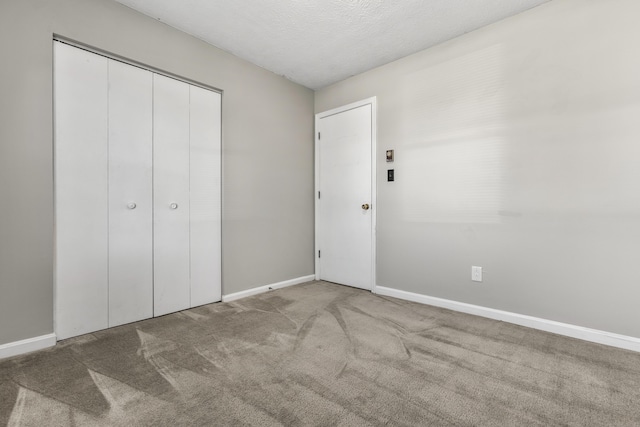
81, 213
205, 196
130, 194
171, 195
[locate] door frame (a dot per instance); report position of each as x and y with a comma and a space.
374, 207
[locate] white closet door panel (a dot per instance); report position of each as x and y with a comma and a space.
205, 196
130, 194
80, 84
171, 195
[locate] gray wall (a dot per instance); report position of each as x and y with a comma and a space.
267, 137
518, 150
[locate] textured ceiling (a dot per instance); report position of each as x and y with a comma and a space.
320, 42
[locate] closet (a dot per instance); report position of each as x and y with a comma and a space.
137, 193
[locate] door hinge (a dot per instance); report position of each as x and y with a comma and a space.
318, 254
318, 194
318, 135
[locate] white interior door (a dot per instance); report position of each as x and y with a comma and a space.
205, 196
171, 195
81, 180
345, 203
130, 194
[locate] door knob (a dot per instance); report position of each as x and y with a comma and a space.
173, 206
131, 205
365, 206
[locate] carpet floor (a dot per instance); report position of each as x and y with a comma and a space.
321, 354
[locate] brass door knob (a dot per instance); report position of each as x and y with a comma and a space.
365, 206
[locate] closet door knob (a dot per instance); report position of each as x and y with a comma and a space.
173, 206
131, 205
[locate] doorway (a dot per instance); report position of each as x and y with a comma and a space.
346, 194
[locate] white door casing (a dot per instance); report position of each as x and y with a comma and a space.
345, 181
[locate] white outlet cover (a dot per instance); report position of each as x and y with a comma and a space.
476, 274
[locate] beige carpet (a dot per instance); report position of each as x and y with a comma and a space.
321, 354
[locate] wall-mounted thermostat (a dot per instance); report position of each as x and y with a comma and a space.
389, 155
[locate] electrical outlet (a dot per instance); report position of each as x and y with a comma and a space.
476, 274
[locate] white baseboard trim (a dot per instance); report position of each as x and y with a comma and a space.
266, 288
586, 334
26, 346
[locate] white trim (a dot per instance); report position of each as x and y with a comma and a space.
374, 189
566, 329
266, 288
316, 203
26, 346
374, 178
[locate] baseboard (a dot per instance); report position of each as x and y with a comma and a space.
586, 334
26, 346
266, 288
